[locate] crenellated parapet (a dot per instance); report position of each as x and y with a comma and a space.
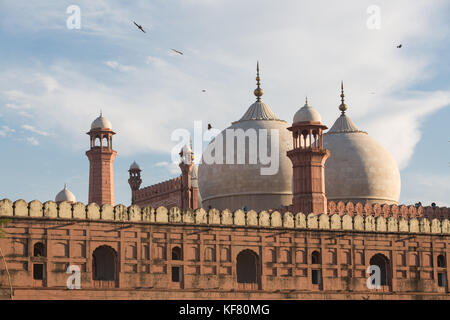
225, 218
386, 210
167, 186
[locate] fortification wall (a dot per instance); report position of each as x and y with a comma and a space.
166, 193
386, 210
210, 242
263, 219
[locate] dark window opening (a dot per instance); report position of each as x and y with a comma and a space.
441, 261
39, 250
38, 271
383, 263
177, 254
315, 276
176, 274
247, 267
442, 281
315, 257
104, 263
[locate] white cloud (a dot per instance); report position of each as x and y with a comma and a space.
6, 131
34, 130
303, 50
117, 66
173, 168
33, 141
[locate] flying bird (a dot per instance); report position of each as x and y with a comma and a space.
399, 46
209, 126
139, 27
179, 52
203, 90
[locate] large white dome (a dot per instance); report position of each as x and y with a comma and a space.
233, 186
359, 168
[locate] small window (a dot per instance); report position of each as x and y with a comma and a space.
315, 257
176, 253
315, 276
442, 281
38, 250
441, 261
38, 271
176, 274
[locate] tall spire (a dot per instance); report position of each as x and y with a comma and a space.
343, 106
258, 91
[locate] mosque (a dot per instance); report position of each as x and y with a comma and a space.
225, 231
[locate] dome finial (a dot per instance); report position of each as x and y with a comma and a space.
258, 91
343, 106
306, 100
101, 113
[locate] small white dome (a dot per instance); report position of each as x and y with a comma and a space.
307, 113
101, 123
134, 165
186, 149
65, 195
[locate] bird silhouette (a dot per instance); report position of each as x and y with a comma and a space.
179, 52
209, 126
203, 90
399, 46
140, 27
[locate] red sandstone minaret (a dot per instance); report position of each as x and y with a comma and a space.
101, 157
135, 179
308, 159
189, 194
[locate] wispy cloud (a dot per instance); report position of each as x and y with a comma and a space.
120, 67
33, 141
34, 130
5, 131
173, 168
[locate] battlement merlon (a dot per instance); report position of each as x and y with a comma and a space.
264, 219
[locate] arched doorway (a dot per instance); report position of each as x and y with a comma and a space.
247, 269
104, 266
384, 264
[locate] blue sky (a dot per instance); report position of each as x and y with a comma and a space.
54, 81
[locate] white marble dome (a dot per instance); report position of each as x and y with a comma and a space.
101, 123
359, 168
233, 186
65, 195
307, 113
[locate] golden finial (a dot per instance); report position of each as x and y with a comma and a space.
343, 106
258, 91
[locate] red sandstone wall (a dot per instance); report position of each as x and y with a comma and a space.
166, 193
209, 260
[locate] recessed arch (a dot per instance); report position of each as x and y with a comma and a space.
247, 267
384, 264
104, 260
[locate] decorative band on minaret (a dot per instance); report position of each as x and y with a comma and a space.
101, 157
308, 161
